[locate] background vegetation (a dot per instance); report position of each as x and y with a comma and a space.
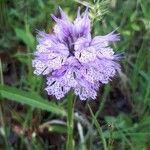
120, 117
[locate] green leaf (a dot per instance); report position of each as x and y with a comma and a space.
30, 98
57, 128
26, 37
22, 57
145, 8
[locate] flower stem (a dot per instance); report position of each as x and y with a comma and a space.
70, 124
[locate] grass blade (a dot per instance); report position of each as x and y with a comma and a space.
31, 99
99, 129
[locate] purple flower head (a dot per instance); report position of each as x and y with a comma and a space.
71, 59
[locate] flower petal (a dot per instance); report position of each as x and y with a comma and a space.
82, 25
86, 55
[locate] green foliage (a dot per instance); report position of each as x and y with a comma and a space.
26, 37
31, 99
99, 129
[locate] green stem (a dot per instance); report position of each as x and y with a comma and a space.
2, 120
1, 73
70, 124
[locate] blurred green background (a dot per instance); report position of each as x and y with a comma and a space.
29, 119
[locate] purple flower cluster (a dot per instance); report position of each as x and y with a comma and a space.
71, 59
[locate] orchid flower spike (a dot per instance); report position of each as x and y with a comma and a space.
71, 59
